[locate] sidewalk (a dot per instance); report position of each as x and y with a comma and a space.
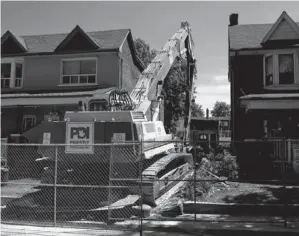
164, 228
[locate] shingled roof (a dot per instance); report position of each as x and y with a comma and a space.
248, 36
109, 40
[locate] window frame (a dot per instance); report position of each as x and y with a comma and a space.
276, 84
24, 122
78, 59
224, 123
12, 79
273, 69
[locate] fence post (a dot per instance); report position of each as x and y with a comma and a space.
110, 182
55, 187
284, 183
289, 151
141, 189
194, 180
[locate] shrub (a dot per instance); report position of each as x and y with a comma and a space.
221, 163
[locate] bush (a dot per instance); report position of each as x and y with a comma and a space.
221, 163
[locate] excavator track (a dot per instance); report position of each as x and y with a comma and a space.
162, 175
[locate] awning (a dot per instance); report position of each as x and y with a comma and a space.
67, 98
270, 102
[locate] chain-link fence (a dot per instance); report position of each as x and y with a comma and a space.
128, 185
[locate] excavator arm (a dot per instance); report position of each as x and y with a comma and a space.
149, 85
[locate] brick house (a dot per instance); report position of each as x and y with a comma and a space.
264, 79
53, 72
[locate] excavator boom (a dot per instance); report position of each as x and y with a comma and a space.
149, 85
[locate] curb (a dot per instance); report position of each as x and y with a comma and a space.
200, 228
240, 209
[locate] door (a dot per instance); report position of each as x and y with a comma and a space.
28, 122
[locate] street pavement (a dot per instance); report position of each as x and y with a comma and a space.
159, 228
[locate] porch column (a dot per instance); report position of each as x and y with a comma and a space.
289, 151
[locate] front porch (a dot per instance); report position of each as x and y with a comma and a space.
21, 112
271, 115
269, 128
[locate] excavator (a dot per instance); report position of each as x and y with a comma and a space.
86, 159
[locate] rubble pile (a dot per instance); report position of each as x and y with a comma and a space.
216, 165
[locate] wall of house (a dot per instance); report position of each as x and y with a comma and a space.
248, 76
44, 72
8, 121
12, 118
250, 81
247, 80
130, 73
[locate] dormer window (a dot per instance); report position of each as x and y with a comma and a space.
281, 70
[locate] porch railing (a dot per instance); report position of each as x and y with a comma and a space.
284, 149
224, 134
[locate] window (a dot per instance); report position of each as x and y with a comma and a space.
28, 122
269, 70
98, 106
149, 127
11, 73
223, 123
79, 72
281, 70
19, 74
5, 75
203, 136
286, 68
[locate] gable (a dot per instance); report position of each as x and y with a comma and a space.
284, 32
11, 45
284, 29
77, 40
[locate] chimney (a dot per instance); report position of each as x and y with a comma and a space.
233, 19
207, 113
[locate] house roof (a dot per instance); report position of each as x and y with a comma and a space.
23, 99
59, 94
266, 96
248, 36
109, 40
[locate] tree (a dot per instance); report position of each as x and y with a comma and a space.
221, 109
197, 111
144, 52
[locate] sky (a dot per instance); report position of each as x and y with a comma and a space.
155, 22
